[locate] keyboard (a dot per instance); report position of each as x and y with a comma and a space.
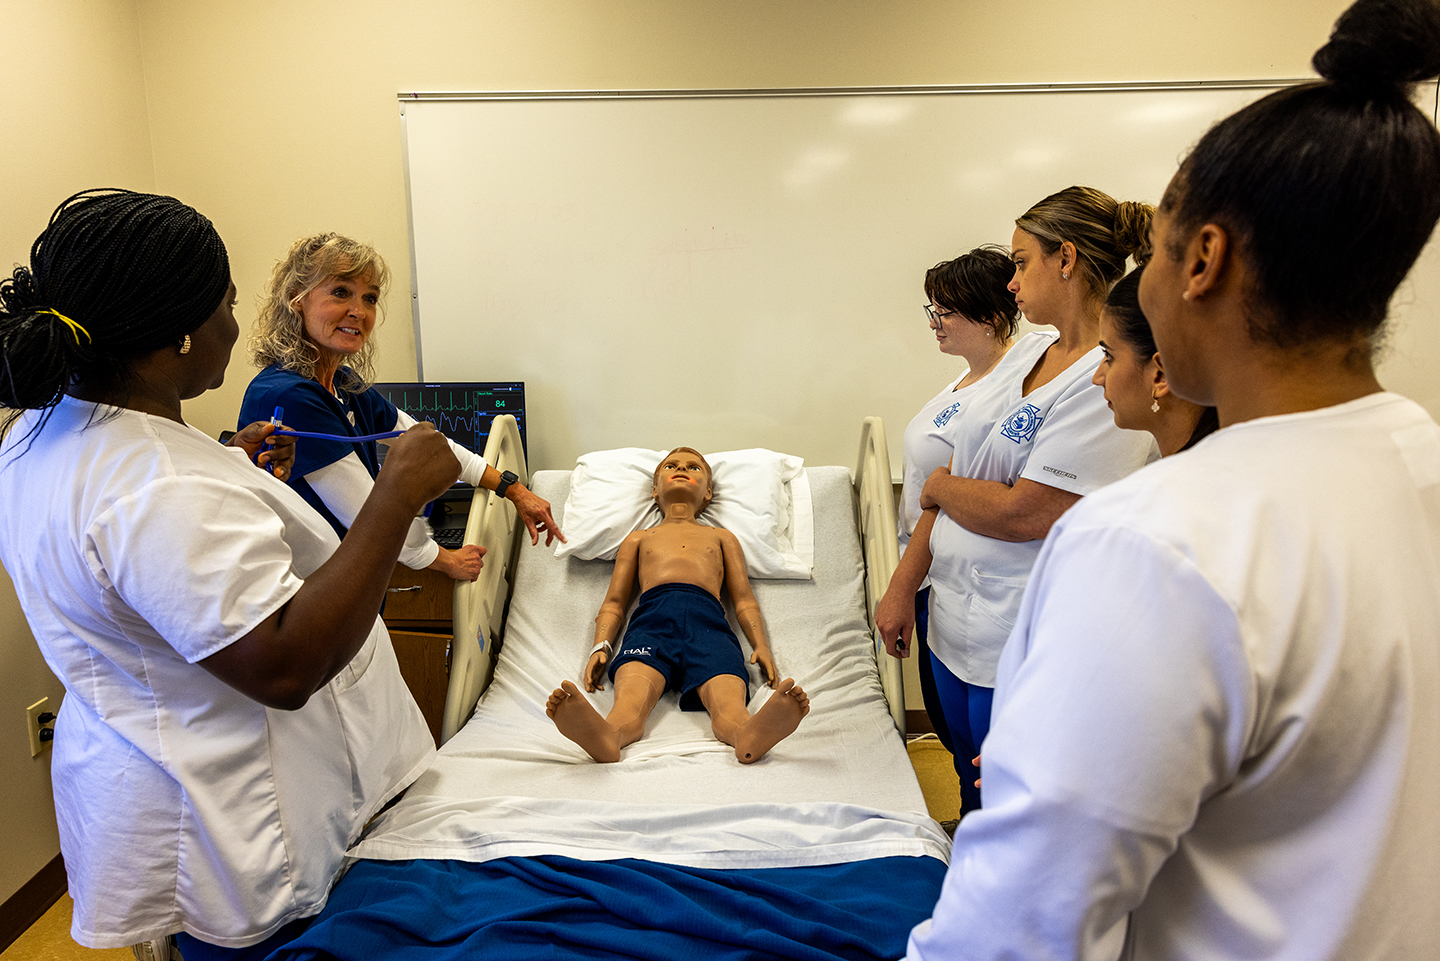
449, 537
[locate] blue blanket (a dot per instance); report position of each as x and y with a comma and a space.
517, 909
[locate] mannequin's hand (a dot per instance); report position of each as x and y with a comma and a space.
763, 657
595, 671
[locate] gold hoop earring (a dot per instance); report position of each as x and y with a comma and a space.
185, 345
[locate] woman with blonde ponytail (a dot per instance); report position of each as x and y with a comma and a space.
1053, 440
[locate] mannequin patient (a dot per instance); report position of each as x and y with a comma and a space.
678, 638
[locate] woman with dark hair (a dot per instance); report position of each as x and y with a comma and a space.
313, 342
1216, 731
1133, 377
1044, 439
234, 713
973, 316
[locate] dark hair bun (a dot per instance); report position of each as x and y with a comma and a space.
1382, 44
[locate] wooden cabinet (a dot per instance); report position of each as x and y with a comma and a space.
418, 613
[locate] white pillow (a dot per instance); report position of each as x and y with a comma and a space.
761, 497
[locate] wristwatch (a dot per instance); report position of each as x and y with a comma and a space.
506, 479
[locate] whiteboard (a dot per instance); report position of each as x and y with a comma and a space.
731, 269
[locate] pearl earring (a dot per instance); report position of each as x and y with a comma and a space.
1155, 405
1185, 295
185, 345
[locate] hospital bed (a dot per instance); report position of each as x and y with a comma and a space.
516, 845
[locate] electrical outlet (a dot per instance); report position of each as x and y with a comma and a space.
38, 718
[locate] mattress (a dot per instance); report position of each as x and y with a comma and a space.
840, 789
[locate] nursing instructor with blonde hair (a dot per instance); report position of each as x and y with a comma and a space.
314, 341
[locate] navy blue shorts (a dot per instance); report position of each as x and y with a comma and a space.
680, 630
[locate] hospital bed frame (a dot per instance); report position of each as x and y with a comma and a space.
480, 606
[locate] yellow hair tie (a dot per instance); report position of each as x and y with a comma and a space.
75, 329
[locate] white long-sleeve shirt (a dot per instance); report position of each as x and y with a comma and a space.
344, 485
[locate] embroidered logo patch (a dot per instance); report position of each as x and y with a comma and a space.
943, 418
1023, 424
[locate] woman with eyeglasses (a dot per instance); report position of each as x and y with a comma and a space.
973, 316
1046, 439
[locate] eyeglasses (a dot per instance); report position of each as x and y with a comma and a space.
937, 314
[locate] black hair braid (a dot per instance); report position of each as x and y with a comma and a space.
130, 272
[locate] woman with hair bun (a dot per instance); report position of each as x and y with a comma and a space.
1047, 440
234, 713
1216, 730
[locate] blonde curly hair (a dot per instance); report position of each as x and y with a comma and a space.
278, 335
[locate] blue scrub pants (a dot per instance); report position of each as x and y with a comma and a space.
933, 708
966, 713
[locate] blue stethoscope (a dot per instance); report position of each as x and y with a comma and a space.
342, 438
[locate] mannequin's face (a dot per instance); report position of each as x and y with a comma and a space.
683, 474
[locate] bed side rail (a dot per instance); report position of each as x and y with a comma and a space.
480, 606
878, 538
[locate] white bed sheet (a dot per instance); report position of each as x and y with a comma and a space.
840, 789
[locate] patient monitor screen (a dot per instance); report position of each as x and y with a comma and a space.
461, 411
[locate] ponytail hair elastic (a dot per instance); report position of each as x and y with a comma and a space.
75, 329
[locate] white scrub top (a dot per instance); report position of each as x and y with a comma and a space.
944, 426
928, 446
139, 546
1061, 434
1217, 725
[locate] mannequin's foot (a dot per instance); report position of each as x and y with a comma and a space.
578, 720
776, 720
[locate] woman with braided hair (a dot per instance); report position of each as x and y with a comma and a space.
234, 713
1216, 731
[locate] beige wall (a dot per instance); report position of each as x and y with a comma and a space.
277, 119
74, 117
280, 119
